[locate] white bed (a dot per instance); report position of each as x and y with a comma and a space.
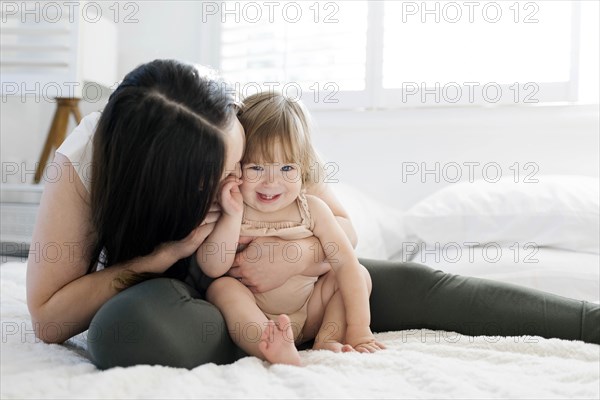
418, 363
543, 235
563, 272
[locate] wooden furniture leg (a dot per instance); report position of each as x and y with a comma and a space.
58, 130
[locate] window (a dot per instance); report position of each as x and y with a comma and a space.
381, 54
305, 52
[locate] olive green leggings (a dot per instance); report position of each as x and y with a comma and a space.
163, 321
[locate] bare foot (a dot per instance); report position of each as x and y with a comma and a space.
277, 342
334, 346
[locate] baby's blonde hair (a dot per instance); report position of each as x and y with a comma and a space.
269, 118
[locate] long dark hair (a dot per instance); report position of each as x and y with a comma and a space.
158, 159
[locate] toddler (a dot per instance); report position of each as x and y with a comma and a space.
279, 163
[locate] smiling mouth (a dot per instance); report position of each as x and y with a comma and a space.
268, 198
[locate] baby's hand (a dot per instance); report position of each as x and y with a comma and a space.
362, 340
231, 200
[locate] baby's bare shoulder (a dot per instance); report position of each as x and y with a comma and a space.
317, 206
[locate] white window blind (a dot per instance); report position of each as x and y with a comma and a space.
38, 54
322, 51
53, 49
380, 54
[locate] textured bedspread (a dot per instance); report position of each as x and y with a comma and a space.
419, 363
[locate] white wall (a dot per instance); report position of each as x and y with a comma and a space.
371, 149
23, 130
164, 30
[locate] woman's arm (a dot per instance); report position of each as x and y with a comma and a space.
324, 192
61, 298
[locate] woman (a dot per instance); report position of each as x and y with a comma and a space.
164, 142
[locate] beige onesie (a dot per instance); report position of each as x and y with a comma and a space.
292, 297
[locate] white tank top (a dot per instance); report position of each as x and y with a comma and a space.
77, 147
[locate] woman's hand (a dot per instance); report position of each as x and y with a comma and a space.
268, 262
231, 200
176, 250
362, 340
214, 213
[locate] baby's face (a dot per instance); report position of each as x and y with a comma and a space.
270, 187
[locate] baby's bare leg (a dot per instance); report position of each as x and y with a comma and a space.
332, 331
327, 315
248, 326
326, 318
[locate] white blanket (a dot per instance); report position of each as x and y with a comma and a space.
417, 364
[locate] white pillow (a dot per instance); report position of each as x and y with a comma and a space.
559, 211
378, 227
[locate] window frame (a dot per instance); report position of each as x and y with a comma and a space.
376, 97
